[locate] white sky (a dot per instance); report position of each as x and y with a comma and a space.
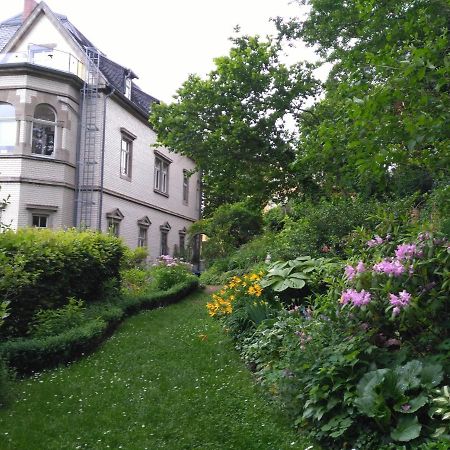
164, 41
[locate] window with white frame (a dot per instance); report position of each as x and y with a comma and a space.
125, 157
113, 226
182, 236
113, 220
143, 226
161, 175
8, 127
39, 220
41, 216
44, 126
185, 187
164, 250
143, 237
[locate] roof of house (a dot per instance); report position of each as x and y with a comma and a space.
114, 73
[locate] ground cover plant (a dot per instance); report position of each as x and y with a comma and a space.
168, 379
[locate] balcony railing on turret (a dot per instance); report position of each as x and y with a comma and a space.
46, 57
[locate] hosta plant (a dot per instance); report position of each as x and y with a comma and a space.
441, 408
395, 398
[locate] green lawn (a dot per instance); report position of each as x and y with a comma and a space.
168, 379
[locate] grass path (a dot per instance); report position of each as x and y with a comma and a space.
168, 379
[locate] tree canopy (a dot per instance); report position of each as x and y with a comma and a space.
233, 123
380, 124
383, 124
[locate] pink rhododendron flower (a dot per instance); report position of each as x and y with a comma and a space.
375, 241
399, 301
350, 272
360, 268
356, 298
405, 251
390, 267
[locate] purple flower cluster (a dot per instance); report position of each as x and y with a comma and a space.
377, 240
406, 251
355, 298
351, 271
399, 301
392, 267
167, 260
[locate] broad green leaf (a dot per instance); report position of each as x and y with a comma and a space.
407, 429
300, 275
412, 405
431, 375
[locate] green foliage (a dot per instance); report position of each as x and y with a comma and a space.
235, 119
28, 355
5, 384
394, 397
320, 227
171, 370
350, 369
292, 274
382, 125
231, 226
40, 269
168, 272
3, 204
3, 311
134, 258
441, 408
50, 322
135, 281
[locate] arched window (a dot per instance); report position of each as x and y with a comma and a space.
44, 126
8, 127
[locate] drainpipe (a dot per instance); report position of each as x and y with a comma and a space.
102, 164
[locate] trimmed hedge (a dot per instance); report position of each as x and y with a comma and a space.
40, 269
32, 355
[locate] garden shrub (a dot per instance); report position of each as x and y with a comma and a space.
27, 355
50, 322
231, 226
135, 280
40, 269
318, 228
134, 258
168, 271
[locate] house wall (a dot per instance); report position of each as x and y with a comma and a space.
136, 197
38, 183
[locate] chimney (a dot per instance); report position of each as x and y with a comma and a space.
28, 6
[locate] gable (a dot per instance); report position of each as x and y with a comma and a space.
43, 32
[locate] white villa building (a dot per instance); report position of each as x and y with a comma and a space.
76, 148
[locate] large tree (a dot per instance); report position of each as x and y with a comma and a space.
233, 123
383, 123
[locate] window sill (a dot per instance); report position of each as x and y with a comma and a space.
125, 177
40, 155
164, 194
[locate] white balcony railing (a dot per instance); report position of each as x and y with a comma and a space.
54, 59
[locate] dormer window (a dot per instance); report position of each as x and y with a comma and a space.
128, 87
